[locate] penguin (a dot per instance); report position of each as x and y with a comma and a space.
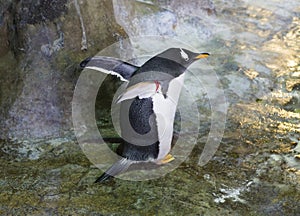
147, 106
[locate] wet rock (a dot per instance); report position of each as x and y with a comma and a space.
255, 170
39, 11
164, 18
206, 7
38, 67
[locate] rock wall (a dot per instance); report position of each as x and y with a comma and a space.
41, 45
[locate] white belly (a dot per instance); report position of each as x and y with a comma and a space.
165, 109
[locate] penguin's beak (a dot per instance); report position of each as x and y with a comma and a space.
202, 55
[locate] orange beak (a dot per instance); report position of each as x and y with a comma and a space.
202, 55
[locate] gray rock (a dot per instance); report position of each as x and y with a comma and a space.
40, 50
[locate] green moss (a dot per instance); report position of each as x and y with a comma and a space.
297, 110
64, 184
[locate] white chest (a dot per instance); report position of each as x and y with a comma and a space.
165, 109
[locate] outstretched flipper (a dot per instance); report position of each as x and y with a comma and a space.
110, 65
117, 168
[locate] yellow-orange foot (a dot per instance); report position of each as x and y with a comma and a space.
168, 158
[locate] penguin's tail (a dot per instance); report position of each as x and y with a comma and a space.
117, 168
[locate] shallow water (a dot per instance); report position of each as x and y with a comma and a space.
255, 49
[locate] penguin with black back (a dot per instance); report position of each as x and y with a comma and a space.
147, 106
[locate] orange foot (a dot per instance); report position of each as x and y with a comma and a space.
168, 158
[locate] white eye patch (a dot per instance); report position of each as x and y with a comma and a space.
184, 55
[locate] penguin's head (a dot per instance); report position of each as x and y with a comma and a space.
182, 56
170, 63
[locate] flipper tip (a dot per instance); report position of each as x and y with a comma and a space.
85, 62
104, 177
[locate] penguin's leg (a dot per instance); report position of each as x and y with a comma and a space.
117, 168
113, 139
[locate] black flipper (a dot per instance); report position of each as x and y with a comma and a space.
110, 65
117, 168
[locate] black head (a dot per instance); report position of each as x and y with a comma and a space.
182, 56
173, 61
169, 64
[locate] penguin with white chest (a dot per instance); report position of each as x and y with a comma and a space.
148, 105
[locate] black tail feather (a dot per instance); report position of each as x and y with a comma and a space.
117, 168
103, 178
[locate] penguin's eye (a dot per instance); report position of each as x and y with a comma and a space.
184, 55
